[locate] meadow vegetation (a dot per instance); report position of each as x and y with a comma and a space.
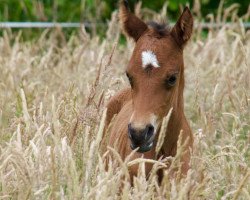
101, 10
52, 109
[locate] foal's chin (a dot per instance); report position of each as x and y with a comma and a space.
143, 148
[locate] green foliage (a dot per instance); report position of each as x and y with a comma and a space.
94, 10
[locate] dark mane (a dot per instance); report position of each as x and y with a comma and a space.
160, 28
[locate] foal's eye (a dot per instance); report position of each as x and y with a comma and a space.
171, 80
130, 78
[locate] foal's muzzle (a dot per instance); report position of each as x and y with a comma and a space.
142, 138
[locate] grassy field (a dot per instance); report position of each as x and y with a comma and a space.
52, 98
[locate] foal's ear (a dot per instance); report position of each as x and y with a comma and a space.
132, 25
182, 30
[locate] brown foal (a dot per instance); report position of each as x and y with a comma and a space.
156, 75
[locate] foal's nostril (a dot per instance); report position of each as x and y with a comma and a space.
134, 135
150, 131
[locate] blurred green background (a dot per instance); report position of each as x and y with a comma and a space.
97, 10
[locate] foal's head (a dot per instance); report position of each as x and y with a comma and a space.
155, 72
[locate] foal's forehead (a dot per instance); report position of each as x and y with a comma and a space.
156, 52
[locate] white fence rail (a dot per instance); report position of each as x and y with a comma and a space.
46, 24
89, 25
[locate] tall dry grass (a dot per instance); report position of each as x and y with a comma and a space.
52, 97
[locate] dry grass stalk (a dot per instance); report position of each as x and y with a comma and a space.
163, 130
244, 180
25, 110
